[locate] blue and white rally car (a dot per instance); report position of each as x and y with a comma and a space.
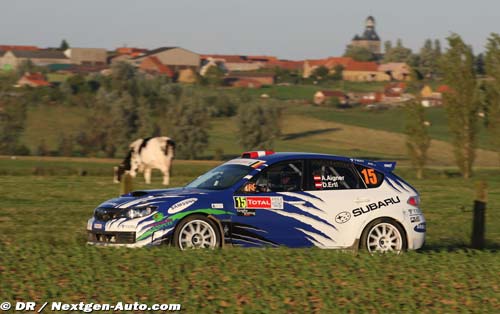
271, 199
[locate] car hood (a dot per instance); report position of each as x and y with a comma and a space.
152, 197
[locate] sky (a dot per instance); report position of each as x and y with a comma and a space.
288, 29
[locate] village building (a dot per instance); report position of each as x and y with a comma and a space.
369, 39
152, 65
87, 56
398, 71
13, 58
32, 80
175, 58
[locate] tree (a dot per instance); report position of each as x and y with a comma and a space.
387, 45
417, 137
462, 105
12, 123
121, 125
320, 73
337, 75
428, 62
398, 53
479, 64
359, 53
437, 47
492, 67
258, 125
146, 124
64, 45
214, 76
190, 131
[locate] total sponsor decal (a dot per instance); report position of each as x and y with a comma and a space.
256, 202
179, 206
376, 205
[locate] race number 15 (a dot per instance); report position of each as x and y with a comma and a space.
241, 202
369, 176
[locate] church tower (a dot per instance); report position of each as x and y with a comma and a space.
369, 39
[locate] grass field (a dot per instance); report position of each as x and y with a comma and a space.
44, 256
352, 132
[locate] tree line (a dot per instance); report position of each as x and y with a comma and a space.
127, 105
470, 94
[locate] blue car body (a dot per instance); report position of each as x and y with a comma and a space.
327, 211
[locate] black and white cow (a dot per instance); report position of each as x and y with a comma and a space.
145, 155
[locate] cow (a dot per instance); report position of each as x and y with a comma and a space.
145, 155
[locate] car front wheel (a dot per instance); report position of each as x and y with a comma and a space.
196, 232
384, 235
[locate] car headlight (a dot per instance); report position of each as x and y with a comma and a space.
138, 212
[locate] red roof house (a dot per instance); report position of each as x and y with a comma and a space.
153, 65
33, 80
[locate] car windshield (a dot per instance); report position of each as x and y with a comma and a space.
221, 177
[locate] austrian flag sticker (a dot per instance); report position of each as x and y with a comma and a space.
318, 184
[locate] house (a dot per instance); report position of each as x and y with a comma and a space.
309, 66
13, 58
175, 58
130, 51
87, 56
398, 71
426, 91
32, 80
361, 71
289, 65
366, 98
395, 88
249, 79
321, 97
18, 47
152, 65
235, 62
431, 98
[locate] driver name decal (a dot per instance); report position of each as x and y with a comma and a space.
256, 202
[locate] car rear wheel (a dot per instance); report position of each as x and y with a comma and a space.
384, 235
196, 232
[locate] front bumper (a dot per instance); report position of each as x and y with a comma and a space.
111, 237
122, 232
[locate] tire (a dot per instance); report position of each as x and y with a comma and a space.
384, 235
196, 232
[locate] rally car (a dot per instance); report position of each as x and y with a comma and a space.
267, 199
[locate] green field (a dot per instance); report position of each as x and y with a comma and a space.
354, 132
45, 205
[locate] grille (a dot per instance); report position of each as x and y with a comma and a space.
112, 237
105, 214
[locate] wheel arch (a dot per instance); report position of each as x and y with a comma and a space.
217, 222
368, 222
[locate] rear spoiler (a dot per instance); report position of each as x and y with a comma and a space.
385, 166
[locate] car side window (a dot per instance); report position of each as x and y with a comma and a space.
371, 177
333, 175
281, 177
